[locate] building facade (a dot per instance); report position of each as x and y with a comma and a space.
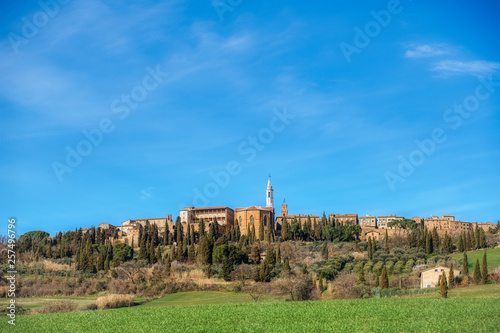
224, 215
291, 218
384, 220
345, 219
430, 277
368, 221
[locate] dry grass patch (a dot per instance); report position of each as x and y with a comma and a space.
114, 301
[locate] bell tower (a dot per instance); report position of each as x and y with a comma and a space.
284, 209
269, 194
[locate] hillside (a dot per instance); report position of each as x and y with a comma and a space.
493, 258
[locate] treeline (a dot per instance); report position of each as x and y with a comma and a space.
431, 242
326, 229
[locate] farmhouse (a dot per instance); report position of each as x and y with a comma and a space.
430, 277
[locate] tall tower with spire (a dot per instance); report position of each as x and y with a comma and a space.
269, 194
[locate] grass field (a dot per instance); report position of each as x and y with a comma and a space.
206, 298
492, 255
480, 291
466, 311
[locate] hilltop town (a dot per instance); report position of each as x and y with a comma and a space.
252, 219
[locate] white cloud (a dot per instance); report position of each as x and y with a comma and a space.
478, 67
428, 50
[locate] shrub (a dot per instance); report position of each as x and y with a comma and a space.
114, 301
59, 306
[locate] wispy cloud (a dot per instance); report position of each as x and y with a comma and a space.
428, 50
477, 68
147, 194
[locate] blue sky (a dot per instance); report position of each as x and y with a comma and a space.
178, 91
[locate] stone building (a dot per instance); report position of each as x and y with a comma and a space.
291, 218
385, 219
345, 219
251, 216
430, 277
368, 221
224, 215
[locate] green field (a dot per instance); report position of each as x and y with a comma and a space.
206, 298
370, 315
492, 256
480, 291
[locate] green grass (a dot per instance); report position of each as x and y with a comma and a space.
492, 256
370, 315
205, 298
480, 291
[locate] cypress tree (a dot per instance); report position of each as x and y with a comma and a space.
324, 250
201, 230
261, 230
278, 253
271, 258
465, 265
477, 273
106, 264
443, 286
284, 229
451, 277
320, 284
304, 269
286, 266
384, 279
264, 274
361, 275
158, 255
482, 238
179, 231
100, 262
227, 268
369, 248
191, 253
142, 247
253, 233
468, 242
460, 244
255, 254
374, 246
204, 251
152, 256
484, 271
428, 244
386, 242
377, 282
188, 233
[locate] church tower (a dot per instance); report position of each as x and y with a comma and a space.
269, 194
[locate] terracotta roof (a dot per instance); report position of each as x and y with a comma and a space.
254, 208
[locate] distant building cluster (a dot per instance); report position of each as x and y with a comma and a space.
251, 217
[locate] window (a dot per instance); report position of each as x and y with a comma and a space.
268, 194
251, 219
435, 270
